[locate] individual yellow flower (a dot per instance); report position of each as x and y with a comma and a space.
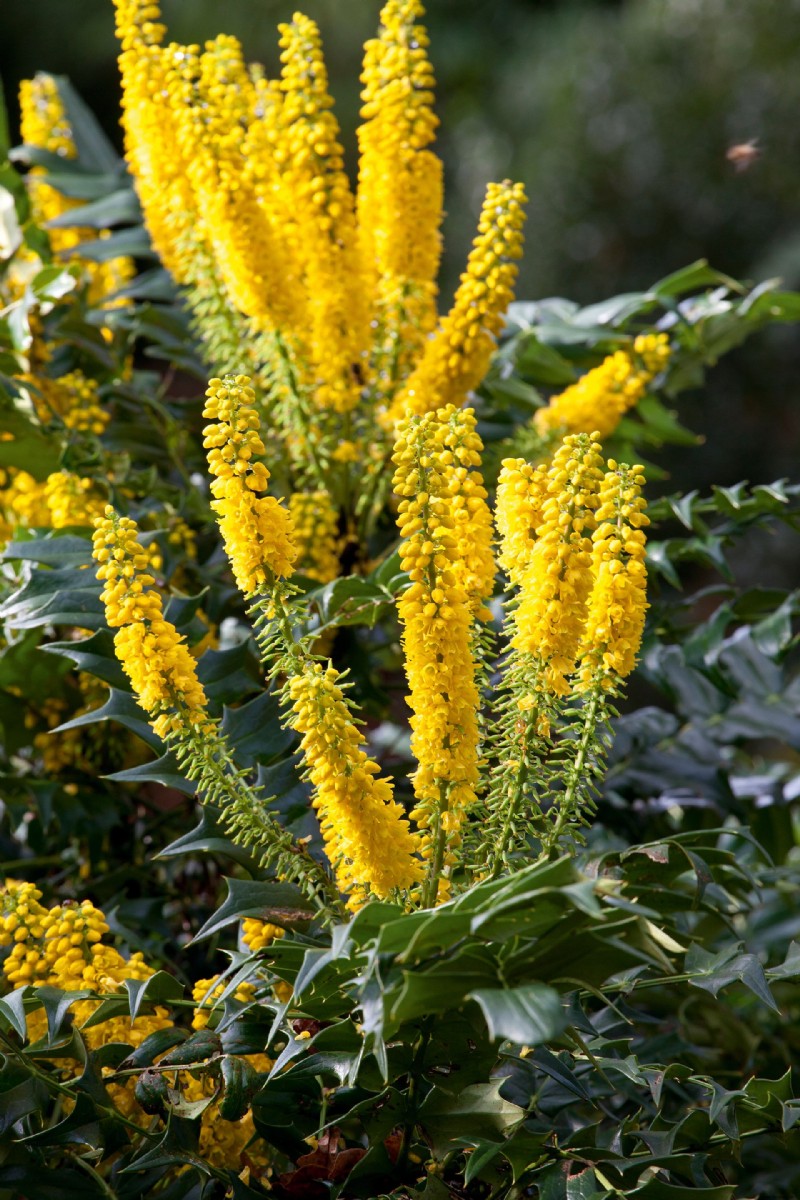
602, 396
316, 534
442, 496
618, 599
518, 513
367, 838
456, 357
551, 614
256, 529
153, 654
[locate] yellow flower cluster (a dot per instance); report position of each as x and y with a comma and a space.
455, 359
446, 550
573, 542
22, 502
367, 838
71, 500
256, 529
602, 396
618, 599
62, 947
60, 500
400, 188
312, 162
555, 586
205, 992
212, 99
257, 935
153, 654
74, 398
152, 147
316, 534
518, 513
44, 124
243, 188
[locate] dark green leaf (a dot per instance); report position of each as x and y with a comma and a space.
160, 988
526, 1015
273, 902
476, 1110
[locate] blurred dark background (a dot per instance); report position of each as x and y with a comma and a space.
619, 117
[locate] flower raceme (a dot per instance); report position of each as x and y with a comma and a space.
244, 191
456, 357
256, 529
573, 543
555, 586
518, 514
602, 396
154, 656
63, 947
618, 600
367, 838
316, 534
358, 816
400, 189
45, 125
446, 549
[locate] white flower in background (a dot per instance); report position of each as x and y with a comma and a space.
10, 232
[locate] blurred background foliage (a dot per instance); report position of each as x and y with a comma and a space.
617, 116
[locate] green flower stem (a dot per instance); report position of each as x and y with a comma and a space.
208, 761
516, 792
430, 889
593, 714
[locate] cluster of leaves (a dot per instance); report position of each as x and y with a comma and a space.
619, 1024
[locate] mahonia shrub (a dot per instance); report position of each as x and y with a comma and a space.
370, 609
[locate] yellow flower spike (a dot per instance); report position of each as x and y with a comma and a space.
400, 188
554, 589
316, 534
152, 146
312, 172
72, 500
446, 550
153, 654
256, 529
367, 838
213, 100
618, 600
518, 513
44, 124
457, 356
602, 396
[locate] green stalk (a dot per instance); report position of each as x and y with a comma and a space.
568, 803
430, 888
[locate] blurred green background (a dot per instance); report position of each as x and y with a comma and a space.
617, 116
